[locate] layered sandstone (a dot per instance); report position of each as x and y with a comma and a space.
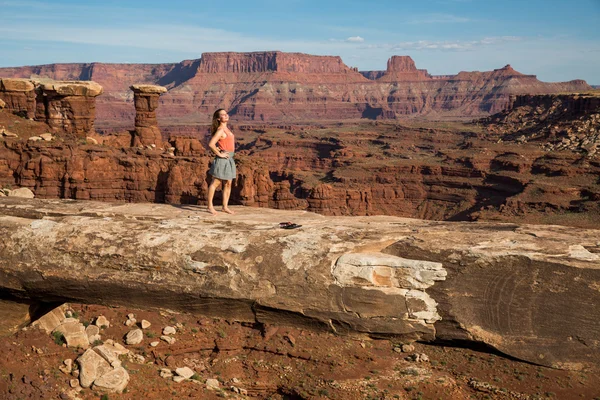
522, 289
403, 69
276, 86
70, 106
18, 96
146, 125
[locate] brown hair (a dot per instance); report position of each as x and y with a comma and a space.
215, 121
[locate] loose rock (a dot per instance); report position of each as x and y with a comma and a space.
134, 337
101, 321
212, 384
168, 339
114, 381
22, 192
145, 324
169, 330
186, 372
91, 367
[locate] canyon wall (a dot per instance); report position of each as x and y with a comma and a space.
276, 86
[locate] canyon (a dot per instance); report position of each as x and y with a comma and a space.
338, 152
294, 87
536, 162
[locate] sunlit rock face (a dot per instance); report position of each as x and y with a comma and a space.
530, 291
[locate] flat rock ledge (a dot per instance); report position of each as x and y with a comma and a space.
530, 291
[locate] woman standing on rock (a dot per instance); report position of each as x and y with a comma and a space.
222, 143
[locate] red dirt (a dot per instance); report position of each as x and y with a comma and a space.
279, 362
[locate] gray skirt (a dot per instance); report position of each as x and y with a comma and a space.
223, 168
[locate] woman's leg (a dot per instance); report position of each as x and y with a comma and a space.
211, 194
226, 194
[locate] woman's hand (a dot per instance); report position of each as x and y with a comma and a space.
223, 154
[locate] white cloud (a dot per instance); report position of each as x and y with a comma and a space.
457, 45
355, 39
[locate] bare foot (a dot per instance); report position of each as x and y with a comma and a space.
228, 211
212, 211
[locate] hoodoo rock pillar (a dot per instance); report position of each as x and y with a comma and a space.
19, 96
146, 125
70, 106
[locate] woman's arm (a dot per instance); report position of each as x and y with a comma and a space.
219, 134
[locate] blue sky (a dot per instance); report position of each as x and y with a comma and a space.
556, 40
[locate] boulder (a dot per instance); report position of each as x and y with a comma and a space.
74, 334
51, 320
91, 367
522, 289
101, 321
114, 381
186, 372
134, 337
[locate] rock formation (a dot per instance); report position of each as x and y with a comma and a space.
70, 107
18, 96
146, 126
276, 86
529, 291
466, 174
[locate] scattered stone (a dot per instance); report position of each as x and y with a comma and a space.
212, 384
119, 348
137, 358
179, 326
95, 339
407, 348
6, 133
2, 104
107, 352
168, 339
91, 367
145, 324
114, 381
75, 373
235, 380
92, 330
74, 333
21, 192
35, 138
134, 337
47, 136
186, 372
166, 373
131, 316
130, 322
74, 383
238, 390
178, 379
154, 344
419, 357
169, 330
91, 140
102, 321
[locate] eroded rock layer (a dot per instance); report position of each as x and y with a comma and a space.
276, 86
529, 291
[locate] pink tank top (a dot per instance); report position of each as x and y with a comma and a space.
227, 144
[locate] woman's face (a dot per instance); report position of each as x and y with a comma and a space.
223, 116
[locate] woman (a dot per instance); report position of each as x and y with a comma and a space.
223, 168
